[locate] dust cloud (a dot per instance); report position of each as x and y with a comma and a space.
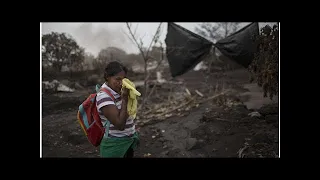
94, 37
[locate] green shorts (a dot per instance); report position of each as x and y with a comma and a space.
117, 147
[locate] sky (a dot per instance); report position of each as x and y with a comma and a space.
96, 36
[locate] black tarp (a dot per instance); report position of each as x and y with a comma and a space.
240, 46
184, 49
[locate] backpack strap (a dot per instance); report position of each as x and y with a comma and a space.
108, 92
113, 98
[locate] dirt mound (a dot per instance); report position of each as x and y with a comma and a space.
52, 103
245, 136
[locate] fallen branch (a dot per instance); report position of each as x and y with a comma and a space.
186, 103
182, 105
188, 92
199, 93
213, 97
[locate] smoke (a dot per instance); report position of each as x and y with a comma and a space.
94, 37
102, 36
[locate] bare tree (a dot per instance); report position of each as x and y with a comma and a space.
144, 52
217, 31
159, 61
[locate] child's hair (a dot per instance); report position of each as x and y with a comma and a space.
114, 68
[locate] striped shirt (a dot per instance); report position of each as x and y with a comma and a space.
103, 99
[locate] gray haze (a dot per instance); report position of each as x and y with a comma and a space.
96, 36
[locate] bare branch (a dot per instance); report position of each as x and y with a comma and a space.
135, 31
145, 55
141, 38
130, 37
135, 40
140, 46
154, 38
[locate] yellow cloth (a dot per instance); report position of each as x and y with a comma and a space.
132, 99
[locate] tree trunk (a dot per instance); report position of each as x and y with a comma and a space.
145, 79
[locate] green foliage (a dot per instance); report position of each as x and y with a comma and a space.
265, 66
60, 49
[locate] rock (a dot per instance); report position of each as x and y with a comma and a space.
190, 143
78, 86
66, 82
272, 118
165, 153
261, 138
147, 155
270, 109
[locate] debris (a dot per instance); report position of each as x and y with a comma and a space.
160, 110
188, 92
165, 153
254, 114
182, 105
147, 155
241, 150
260, 155
156, 83
200, 66
141, 124
56, 86
199, 93
214, 97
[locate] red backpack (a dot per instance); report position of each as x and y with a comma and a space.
89, 119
